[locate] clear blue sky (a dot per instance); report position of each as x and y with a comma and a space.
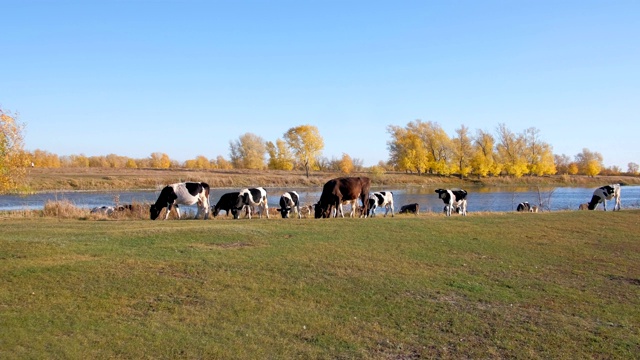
187, 77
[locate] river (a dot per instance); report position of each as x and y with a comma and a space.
498, 199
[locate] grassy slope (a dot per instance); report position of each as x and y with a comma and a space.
552, 285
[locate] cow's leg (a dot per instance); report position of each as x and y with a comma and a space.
265, 206
166, 215
449, 209
618, 205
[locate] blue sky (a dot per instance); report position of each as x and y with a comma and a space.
187, 77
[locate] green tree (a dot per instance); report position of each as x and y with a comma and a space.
306, 143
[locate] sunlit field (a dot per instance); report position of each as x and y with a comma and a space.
507, 285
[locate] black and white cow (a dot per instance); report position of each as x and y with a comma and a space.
455, 199
410, 208
186, 193
604, 193
227, 202
248, 199
381, 199
524, 207
289, 201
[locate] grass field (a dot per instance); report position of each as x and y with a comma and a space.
546, 286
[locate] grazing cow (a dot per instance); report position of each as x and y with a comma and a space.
584, 206
338, 190
410, 208
289, 201
186, 193
524, 207
455, 199
604, 193
380, 199
249, 198
227, 202
103, 210
534, 209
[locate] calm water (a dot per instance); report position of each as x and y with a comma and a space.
479, 199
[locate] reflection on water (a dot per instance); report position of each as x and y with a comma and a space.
479, 198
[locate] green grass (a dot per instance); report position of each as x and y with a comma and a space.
551, 285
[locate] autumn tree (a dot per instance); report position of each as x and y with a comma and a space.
632, 168
160, 160
436, 143
346, 164
280, 156
45, 159
483, 161
406, 150
589, 163
538, 154
511, 151
562, 163
462, 151
306, 143
248, 152
200, 162
13, 159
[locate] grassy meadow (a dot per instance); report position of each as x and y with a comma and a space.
499, 285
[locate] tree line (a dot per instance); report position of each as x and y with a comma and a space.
419, 147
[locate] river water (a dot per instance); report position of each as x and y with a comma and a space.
499, 199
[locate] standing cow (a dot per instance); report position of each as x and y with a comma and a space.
289, 201
604, 193
186, 193
250, 198
381, 199
454, 199
337, 190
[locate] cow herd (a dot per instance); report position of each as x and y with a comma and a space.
336, 193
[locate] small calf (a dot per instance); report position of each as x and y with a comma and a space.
410, 208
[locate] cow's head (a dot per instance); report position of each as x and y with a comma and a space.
154, 212
321, 211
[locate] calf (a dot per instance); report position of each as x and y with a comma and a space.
186, 193
604, 193
104, 210
227, 202
457, 198
584, 206
410, 208
289, 201
524, 207
250, 198
381, 199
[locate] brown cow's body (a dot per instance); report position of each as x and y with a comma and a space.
335, 191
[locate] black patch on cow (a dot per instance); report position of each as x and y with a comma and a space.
379, 198
194, 188
595, 200
523, 206
167, 196
255, 195
608, 190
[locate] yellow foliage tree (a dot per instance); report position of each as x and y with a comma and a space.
589, 162
306, 143
248, 152
538, 153
13, 159
160, 160
407, 150
462, 152
346, 164
280, 156
483, 160
45, 159
511, 152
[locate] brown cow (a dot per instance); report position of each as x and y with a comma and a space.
335, 191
